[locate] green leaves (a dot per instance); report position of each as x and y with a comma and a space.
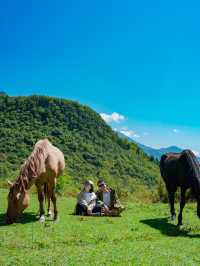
90, 146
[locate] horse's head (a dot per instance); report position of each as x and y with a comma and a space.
18, 200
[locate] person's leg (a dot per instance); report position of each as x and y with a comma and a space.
96, 209
115, 212
80, 210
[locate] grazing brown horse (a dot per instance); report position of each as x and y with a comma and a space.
43, 167
181, 170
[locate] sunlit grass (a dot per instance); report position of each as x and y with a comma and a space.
142, 236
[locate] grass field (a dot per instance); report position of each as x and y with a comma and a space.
142, 236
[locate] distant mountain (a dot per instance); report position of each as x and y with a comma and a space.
156, 153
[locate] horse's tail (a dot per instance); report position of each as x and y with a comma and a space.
193, 163
162, 164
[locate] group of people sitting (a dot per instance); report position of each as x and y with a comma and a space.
104, 202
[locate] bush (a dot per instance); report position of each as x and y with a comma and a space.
61, 184
162, 194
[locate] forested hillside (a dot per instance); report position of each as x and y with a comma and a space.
91, 148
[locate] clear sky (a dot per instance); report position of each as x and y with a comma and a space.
140, 59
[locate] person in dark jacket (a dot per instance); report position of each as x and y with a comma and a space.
108, 200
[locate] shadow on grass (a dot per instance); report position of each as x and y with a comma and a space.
27, 217
167, 228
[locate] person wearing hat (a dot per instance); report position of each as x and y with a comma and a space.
86, 199
108, 200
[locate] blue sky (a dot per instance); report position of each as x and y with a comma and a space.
139, 59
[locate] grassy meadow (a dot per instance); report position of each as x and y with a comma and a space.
142, 236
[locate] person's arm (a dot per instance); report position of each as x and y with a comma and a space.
116, 201
91, 204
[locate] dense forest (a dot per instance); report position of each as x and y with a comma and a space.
92, 149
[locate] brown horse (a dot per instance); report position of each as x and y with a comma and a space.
181, 170
45, 164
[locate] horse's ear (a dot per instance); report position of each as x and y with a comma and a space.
10, 183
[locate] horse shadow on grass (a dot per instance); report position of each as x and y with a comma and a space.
27, 217
168, 229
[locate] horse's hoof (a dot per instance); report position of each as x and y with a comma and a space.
42, 219
180, 227
56, 219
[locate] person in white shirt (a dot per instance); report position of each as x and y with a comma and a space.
86, 199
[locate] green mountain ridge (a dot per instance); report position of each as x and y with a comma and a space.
92, 149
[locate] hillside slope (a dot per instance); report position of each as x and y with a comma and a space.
91, 148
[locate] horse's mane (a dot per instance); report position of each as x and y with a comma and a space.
33, 165
191, 160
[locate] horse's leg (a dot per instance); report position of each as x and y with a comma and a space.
196, 191
49, 206
182, 205
41, 201
49, 201
52, 186
198, 205
171, 201
54, 200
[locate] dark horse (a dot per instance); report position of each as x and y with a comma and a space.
181, 170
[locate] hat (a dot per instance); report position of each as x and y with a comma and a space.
89, 182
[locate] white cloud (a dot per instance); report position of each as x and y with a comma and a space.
175, 130
114, 117
197, 153
129, 133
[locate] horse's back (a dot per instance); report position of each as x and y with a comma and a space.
54, 163
180, 169
55, 160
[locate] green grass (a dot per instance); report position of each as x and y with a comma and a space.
142, 236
